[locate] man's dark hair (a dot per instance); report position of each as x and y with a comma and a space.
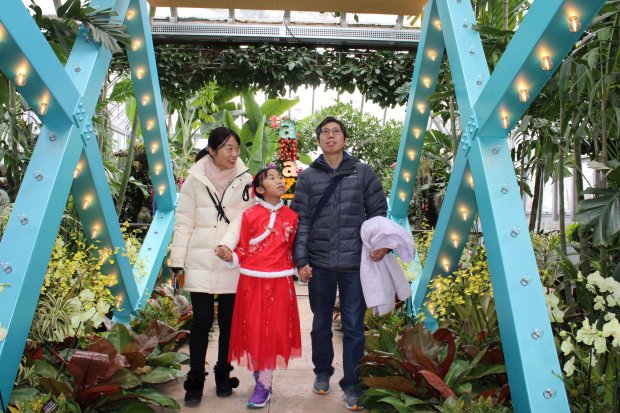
328, 120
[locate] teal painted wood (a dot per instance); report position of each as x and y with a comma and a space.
66, 155
483, 180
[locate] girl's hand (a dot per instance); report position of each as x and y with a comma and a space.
305, 273
377, 255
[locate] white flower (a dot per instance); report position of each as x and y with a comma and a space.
600, 344
555, 314
569, 367
609, 316
87, 295
612, 329
3, 333
594, 280
612, 301
102, 307
586, 334
567, 347
599, 303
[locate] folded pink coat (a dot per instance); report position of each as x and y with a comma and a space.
385, 280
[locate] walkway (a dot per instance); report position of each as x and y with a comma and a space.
292, 387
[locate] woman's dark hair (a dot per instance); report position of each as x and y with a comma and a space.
259, 178
217, 138
329, 119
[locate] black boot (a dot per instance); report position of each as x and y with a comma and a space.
194, 384
223, 382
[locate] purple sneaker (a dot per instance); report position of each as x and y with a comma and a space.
260, 397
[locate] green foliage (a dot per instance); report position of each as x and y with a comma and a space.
480, 405
166, 306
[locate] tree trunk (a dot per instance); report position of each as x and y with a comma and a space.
128, 164
535, 198
584, 245
455, 144
505, 14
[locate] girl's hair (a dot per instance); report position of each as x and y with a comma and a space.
217, 139
259, 178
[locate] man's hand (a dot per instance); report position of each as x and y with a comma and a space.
377, 255
224, 253
305, 273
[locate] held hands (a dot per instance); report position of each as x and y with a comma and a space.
305, 273
377, 255
224, 253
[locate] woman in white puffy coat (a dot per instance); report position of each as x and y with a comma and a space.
208, 222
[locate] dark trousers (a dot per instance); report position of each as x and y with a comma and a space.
203, 307
322, 293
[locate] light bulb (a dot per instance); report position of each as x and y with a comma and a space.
86, 204
416, 133
407, 176
446, 266
412, 154
546, 63
574, 24
505, 122
438, 24
157, 169
95, 233
161, 190
149, 125
43, 108
154, 148
421, 107
77, 171
464, 214
524, 95
140, 73
426, 82
119, 302
455, 241
471, 181
403, 196
20, 79
135, 45
130, 15
432, 55
145, 100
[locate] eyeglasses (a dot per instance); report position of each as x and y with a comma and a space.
231, 149
335, 131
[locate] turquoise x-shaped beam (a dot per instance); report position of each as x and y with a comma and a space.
66, 159
490, 105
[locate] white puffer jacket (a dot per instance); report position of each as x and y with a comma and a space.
197, 230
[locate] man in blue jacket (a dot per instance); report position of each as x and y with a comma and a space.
333, 197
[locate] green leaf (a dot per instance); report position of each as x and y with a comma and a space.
161, 375
256, 160
485, 370
276, 107
126, 378
152, 396
119, 337
45, 369
24, 394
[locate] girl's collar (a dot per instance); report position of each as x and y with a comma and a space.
268, 206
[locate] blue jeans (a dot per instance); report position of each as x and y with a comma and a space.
322, 291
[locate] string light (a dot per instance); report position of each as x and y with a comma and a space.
455, 241
145, 100
505, 122
471, 181
140, 73
130, 14
86, 204
119, 301
574, 24
77, 171
135, 45
95, 233
157, 169
154, 148
524, 95
407, 176
411, 154
446, 266
437, 23
149, 125
426, 82
432, 55
20, 79
416, 133
162, 189
464, 214
546, 63
42, 107
403, 196
421, 107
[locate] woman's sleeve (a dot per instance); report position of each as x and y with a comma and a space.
231, 236
244, 241
183, 225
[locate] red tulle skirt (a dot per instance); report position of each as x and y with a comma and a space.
265, 326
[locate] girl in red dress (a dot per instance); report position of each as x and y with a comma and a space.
265, 328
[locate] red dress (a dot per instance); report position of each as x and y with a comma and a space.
265, 330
